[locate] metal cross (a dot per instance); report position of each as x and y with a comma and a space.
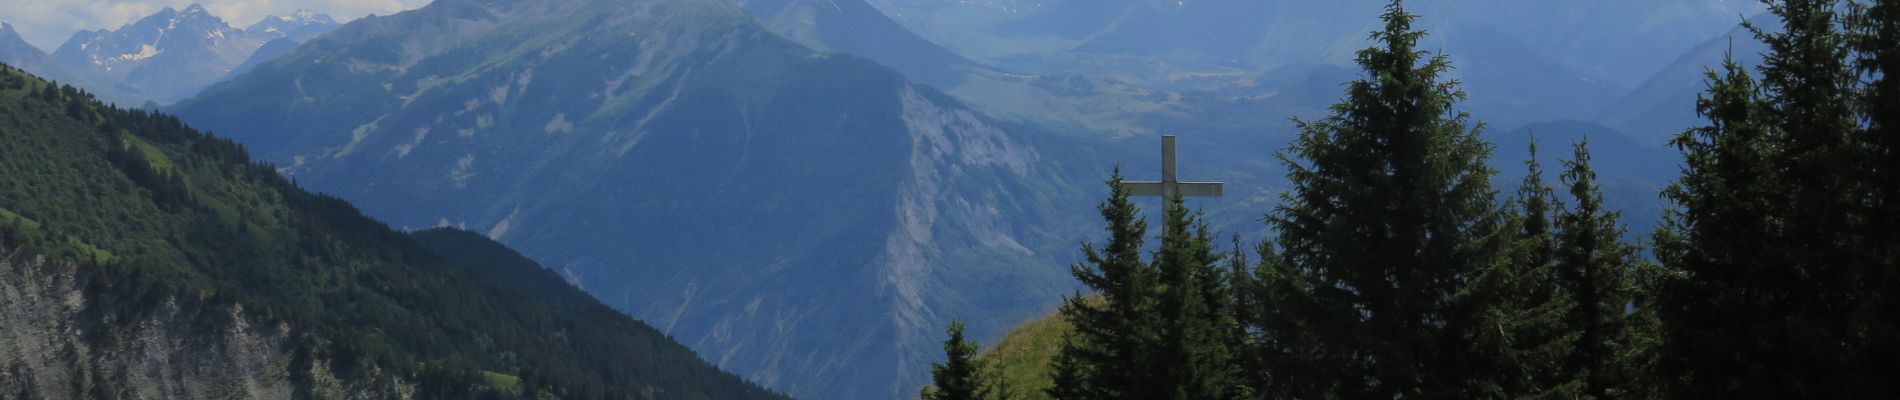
1168, 185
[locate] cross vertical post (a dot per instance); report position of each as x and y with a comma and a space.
1168, 179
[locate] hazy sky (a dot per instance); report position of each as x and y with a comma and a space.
47, 23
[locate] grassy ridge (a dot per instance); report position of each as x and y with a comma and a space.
1022, 358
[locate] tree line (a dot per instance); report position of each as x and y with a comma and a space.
1396, 271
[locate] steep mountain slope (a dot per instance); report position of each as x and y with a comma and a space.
853, 26
1087, 105
174, 53
272, 49
146, 259
807, 220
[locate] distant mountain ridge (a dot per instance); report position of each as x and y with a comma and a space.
299, 26
1665, 104
16, 51
166, 56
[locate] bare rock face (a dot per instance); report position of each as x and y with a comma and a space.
64, 335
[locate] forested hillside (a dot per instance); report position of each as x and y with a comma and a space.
154, 217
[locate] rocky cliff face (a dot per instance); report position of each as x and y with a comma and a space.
64, 335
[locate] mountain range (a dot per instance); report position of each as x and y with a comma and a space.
16, 51
166, 56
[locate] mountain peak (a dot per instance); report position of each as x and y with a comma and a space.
197, 12
310, 15
298, 26
302, 16
168, 19
191, 47
167, 13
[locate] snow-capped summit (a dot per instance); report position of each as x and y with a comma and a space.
174, 53
121, 51
299, 26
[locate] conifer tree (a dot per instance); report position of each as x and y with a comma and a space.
1196, 360
1711, 238
961, 375
1066, 372
1244, 309
1596, 270
1394, 275
1539, 313
1877, 58
1104, 355
1767, 247
1161, 330
1533, 208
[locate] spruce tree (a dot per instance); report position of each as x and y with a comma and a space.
1596, 270
1163, 329
1712, 239
1066, 372
1877, 58
1244, 309
1533, 207
1537, 315
961, 375
1103, 358
1195, 353
1394, 275
1767, 248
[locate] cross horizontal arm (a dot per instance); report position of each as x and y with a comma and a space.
1188, 189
